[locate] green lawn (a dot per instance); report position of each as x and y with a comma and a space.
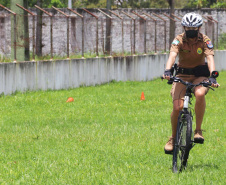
106, 136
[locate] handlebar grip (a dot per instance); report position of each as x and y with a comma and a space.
170, 82
207, 84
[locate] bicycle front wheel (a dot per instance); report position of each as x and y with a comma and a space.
183, 142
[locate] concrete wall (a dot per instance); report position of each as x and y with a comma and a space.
64, 74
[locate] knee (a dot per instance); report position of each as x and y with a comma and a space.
177, 108
200, 95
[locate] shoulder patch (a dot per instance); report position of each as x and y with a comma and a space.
207, 39
209, 44
175, 42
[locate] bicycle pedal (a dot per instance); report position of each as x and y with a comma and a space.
168, 152
199, 141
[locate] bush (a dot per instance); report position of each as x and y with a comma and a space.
222, 41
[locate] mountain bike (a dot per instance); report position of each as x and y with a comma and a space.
184, 140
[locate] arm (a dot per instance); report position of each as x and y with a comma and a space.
211, 66
170, 62
210, 62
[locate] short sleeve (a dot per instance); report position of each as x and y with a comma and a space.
175, 45
208, 46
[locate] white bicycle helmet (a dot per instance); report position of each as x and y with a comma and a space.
192, 20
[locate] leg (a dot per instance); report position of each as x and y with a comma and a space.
177, 106
177, 93
200, 105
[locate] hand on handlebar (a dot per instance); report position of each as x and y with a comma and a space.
167, 74
213, 80
215, 85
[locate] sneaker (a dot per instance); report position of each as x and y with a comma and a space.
198, 138
169, 146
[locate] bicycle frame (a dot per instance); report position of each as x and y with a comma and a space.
187, 97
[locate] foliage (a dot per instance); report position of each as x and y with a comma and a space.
142, 4
90, 4
196, 4
222, 41
49, 3
5, 3
127, 3
206, 4
5, 59
46, 3
219, 4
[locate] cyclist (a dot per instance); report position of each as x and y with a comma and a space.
192, 47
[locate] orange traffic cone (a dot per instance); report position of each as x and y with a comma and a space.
142, 96
70, 99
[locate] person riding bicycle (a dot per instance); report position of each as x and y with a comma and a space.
192, 47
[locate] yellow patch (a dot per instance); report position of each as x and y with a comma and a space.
199, 51
206, 40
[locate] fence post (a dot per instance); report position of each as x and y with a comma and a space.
164, 29
51, 29
155, 29
176, 16
210, 18
15, 32
110, 21
145, 31
82, 29
134, 32
216, 33
97, 54
122, 29
67, 16
172, 29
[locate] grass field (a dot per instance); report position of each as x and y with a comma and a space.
106, 136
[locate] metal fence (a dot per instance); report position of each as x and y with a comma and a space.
71, 32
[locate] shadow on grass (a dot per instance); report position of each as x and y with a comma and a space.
201, 166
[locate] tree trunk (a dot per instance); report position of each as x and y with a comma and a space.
39, 30
26, 33
108, 30
22, 34
172, 23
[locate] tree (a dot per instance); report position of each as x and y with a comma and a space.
22, 37
26, 32
5, 3
39, 30
172, 23
108, 30
140, 4
219, 4
201, 3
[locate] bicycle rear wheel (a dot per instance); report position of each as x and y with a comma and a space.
183, 142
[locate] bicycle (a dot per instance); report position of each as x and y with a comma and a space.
184, 140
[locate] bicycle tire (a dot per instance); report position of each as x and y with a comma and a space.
183, 144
